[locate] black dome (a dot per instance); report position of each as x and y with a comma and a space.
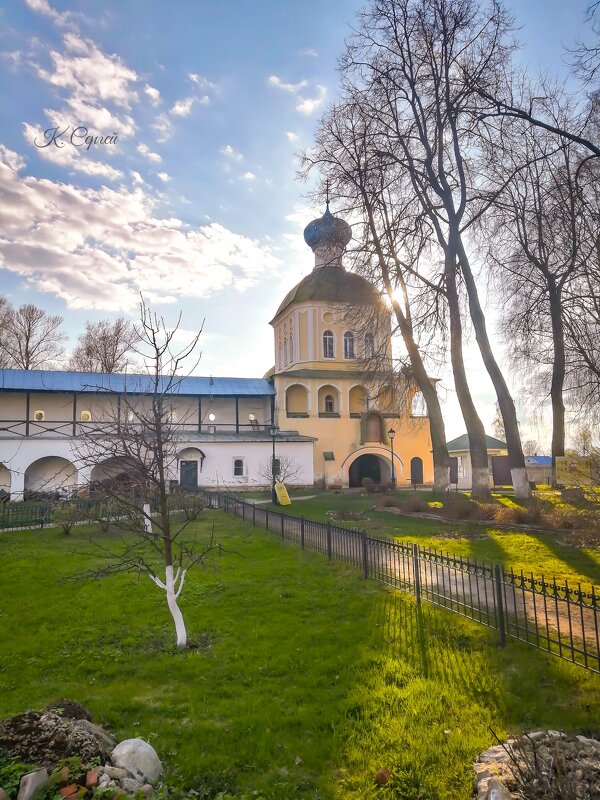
327, 230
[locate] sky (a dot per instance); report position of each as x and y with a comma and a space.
191, 194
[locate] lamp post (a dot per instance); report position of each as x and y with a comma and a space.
391, 434
273, 430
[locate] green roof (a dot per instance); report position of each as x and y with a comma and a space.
462, 443
334, 285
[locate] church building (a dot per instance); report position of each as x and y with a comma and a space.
331, 408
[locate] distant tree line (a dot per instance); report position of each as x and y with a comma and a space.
30, 338
466, 176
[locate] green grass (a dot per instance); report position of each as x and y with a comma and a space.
546, 552
306, 681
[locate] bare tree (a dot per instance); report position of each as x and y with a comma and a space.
405, 67
143, 436
286, 469
6, 311
387, 254
105, 346
32, 338
530, 447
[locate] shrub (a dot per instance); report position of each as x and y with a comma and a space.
66, 515
457, 506
414, 503
369, 484
389, 502
486, 510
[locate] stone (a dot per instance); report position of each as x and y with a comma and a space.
497, 791
42, 737
91, 778
494, 754
383, 776
98, 733
32, 783
147, 790
69, 790
3, 794
116, 773
130, 785
139, 758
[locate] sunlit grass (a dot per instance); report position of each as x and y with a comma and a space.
306, 679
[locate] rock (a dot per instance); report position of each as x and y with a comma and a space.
99, 733
91, 779
116, 773
497, 791
383, 776
139, 758
42, 737
69, 790
130, 785
147, 790
32, 783
494, 754
104, 779
69, 709
3, 794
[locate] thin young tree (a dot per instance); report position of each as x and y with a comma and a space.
32, 338
143, 436
105, 346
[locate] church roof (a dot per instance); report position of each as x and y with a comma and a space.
334, 285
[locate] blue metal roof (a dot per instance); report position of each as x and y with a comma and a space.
544, 460
98, 382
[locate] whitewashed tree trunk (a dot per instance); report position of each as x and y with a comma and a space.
147, 518
520, 483
441, 478
480, 483
172, 595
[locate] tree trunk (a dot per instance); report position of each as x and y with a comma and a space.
505, 401
558, 375
476, 432
174, 608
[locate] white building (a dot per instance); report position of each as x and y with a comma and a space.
221, 426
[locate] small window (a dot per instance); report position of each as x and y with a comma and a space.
85, 416
329, 409
348, 344
285, 351
39, 416
276, 466
238, 467
328, 345
291, 349
369, 345
211, 417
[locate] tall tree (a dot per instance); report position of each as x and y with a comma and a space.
406, 65
32, 338
105, 346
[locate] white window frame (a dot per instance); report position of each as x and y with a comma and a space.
349, 345
243, 475
330, 338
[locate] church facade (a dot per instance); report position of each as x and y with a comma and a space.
330, 408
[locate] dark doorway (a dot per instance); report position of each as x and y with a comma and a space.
416, 470
366, 466
501, 471
188, 475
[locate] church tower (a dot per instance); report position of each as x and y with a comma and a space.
332, 371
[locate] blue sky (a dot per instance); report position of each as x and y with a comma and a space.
197, 204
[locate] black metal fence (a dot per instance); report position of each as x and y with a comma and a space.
562, 620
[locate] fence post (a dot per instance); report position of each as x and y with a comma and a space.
302, 532
282, 531
365, 553
499, 605
417, 573
329, 543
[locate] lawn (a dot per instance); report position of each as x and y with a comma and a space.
306, 679
542, 552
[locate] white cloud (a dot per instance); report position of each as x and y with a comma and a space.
136, 177
201, 81
145, 151
293, 137
230, 152
249, 176
182, 108
43, 7
153, 94
165, 177
119, 246
163, 127
310, 52
292, 88
308, 105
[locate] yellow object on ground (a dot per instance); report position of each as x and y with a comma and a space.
282, 494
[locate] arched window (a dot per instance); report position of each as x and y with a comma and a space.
329, 406
291, 349
285, 351
348, 344
280, 355
328, 345
238, 467
369, 345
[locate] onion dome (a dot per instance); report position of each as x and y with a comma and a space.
327, 231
